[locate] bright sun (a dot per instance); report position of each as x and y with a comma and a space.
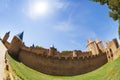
39, 8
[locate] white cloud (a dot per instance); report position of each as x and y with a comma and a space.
58, 5
75, 43
112, 30
4, 4
82, 32
88, 33
63, 26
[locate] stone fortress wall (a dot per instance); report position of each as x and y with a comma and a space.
51, 61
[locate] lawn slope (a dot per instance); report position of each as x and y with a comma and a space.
109, 71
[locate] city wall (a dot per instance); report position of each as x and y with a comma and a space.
61, 65
52, 62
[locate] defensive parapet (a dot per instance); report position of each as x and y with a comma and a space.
51, 61
62, 65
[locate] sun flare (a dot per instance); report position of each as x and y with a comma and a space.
39, 8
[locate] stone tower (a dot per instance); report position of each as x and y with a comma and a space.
6, 37
92, 46
115, 45
100, 45
15, 45
74, 53
52, 51
112, 46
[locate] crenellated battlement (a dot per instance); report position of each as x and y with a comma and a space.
51, 61
35, 50
64, 56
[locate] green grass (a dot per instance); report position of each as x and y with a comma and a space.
109, 71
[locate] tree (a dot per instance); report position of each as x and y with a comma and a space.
38, 46
114, 13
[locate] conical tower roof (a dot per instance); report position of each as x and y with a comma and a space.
33, 45
8, 32
20, 35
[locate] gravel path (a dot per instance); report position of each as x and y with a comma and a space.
3, 50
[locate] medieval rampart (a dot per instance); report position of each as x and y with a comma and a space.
35, 50
61, 65
51, 61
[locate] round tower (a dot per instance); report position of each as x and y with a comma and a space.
100, 45
15, 45
92, 46
5, 38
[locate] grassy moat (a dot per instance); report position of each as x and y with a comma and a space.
109, 71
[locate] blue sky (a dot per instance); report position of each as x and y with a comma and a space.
67, 24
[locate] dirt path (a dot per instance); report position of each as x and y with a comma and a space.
3, 50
